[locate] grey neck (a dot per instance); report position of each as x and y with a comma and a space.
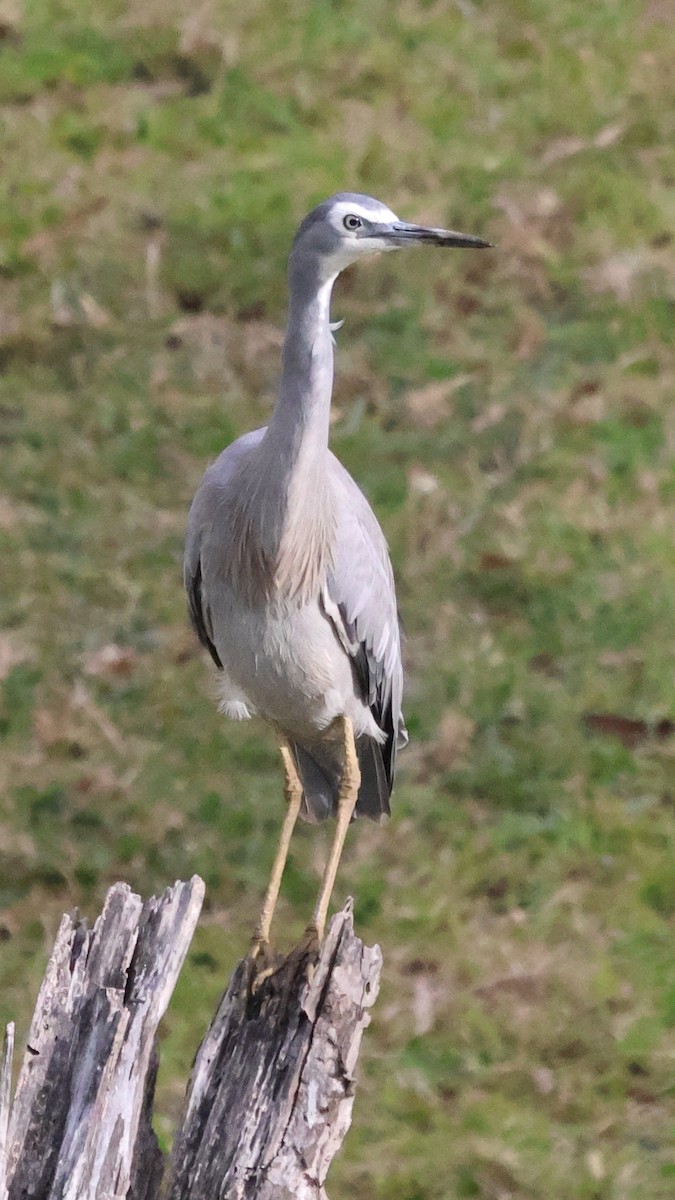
300, 422
284, 502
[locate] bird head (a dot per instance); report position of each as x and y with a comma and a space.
349, 226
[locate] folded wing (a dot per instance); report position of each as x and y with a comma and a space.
360, 602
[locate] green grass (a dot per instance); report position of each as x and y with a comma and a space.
509, 414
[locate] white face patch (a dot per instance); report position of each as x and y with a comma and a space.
353, 247
346, 208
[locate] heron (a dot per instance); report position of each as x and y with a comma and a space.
288, 576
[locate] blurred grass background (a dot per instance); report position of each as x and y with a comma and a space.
509, 415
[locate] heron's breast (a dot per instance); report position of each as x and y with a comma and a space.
286, 658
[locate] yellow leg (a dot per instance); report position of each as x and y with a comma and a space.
293, 798
349, 790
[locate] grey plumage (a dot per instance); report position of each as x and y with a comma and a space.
287, 571
241, 590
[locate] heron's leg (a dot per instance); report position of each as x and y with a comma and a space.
293, 798
347, 796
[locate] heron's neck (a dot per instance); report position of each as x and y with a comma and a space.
288, 511
299, 424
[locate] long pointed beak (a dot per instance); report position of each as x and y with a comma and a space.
400, 233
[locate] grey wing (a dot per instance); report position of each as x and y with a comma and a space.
203, 513
361, 604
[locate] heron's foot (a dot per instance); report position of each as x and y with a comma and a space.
259, 949
311, 939
262, 963
306, 951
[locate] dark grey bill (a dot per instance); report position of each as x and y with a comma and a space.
402, 234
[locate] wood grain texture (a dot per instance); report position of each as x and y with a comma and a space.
271, 1091
81, 1095
5, 1098
272, 1088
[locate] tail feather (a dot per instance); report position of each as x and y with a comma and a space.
320, 769
319, 784
375, 789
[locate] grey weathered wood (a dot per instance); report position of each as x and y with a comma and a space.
5, 1096
147, 1169
272, 1087
80, 1096
271, 1091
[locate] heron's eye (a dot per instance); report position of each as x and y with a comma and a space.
352, 222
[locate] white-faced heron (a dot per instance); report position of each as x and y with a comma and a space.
287, 571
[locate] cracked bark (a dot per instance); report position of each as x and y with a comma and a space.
271, 1090
272, 1087
80, 1110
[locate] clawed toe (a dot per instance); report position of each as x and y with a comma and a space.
262, 963
310, 942
259, 950
306, 951
265, 965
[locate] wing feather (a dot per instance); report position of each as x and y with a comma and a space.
199, 612
204, 506
360, 602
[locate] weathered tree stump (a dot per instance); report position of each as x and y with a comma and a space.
271, 1090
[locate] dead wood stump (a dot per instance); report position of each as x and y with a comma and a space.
271, 1091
